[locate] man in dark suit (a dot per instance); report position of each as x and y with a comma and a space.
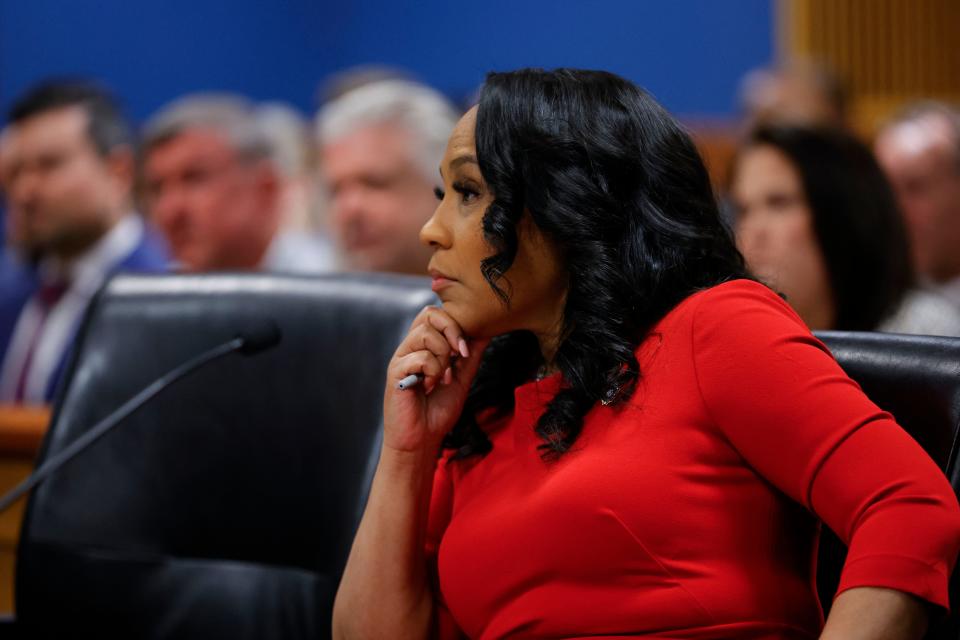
67, 174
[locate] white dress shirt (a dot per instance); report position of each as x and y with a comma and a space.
297, 252
924, 312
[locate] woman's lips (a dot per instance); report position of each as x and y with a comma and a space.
440, 280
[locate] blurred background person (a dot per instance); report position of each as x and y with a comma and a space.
379, 149
67, 175
20, 253
16, 260
920, 152
799, 92
345, 81
213, 185
816, 219
12, 250
291, 147
5, 234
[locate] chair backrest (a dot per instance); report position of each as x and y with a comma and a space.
225, 508
917, 379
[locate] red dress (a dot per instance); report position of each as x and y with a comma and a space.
692, 511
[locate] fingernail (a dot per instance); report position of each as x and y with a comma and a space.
463, 348
448, 376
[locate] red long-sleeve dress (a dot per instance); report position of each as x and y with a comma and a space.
692, 511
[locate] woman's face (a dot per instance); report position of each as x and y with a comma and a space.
535, 283
774, 228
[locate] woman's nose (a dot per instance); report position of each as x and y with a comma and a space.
434, 232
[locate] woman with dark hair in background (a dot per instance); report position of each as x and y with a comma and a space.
617, 432
816, 220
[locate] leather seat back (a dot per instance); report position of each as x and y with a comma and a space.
225, 508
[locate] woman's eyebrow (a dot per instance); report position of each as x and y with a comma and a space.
465, 159
460, 160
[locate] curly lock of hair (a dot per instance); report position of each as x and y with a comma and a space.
620, 189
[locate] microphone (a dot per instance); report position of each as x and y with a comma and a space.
258, 336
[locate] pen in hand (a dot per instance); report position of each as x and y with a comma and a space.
414, 379
410, 381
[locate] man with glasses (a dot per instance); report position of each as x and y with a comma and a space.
67, 175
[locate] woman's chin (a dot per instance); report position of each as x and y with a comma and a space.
460, 316
471, 326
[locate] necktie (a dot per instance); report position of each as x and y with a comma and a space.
47, 298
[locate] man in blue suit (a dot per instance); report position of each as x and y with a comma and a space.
67, 173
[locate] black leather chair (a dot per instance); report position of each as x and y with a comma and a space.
917, 379
225, 508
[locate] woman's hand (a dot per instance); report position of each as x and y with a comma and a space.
385, 591
436, 348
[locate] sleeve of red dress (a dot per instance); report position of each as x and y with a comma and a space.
782, 401
441, 505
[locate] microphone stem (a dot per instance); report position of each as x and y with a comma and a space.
124, 411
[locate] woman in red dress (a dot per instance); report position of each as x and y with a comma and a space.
618, 432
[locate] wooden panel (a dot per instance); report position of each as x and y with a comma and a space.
11, 472
21, 432
888, 52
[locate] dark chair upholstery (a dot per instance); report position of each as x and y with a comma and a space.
225, 508
917, 379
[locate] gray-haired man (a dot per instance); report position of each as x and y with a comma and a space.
920, 151
212, 187
380, 146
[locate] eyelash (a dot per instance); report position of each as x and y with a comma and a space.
467, 194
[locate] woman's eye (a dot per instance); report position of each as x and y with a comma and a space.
467, 193
439, 193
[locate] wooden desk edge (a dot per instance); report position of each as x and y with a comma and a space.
22, 430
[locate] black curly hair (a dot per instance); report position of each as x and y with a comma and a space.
616, 184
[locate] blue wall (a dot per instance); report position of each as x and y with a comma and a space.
689, 53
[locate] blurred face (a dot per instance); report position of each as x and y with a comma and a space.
216, 210
536, 282
379, 199
921, 162
774, 228
62, 195
13, 224
793, 99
